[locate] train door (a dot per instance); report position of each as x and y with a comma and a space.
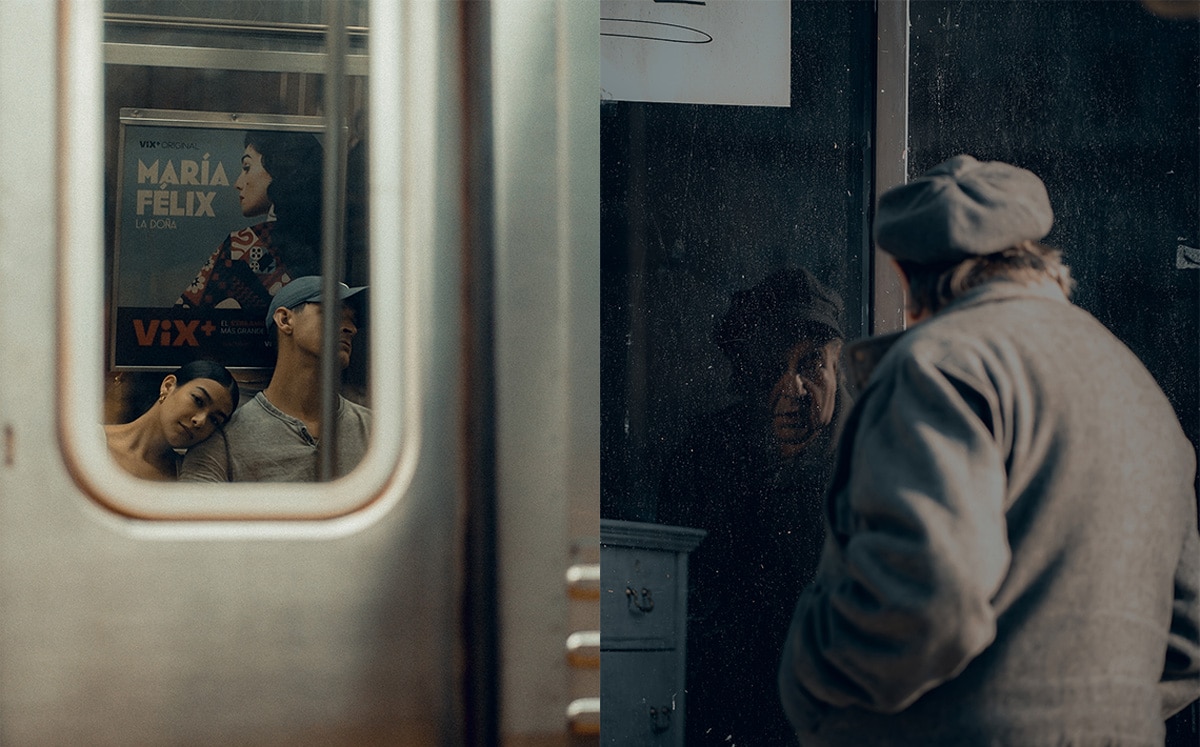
418, 596
705, 199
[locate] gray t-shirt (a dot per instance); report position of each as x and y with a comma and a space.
266, 445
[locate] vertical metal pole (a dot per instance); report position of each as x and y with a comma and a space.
891, 147
478, 360
332, 231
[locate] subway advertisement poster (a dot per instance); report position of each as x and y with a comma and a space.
199, 246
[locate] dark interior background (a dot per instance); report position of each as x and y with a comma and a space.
1101, 100
698, 201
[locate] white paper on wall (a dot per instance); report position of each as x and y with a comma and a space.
696, 51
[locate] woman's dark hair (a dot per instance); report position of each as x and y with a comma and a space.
294, 160
932, 287
204, 369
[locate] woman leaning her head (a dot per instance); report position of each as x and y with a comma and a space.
193, 403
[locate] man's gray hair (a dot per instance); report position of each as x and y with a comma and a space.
933, 287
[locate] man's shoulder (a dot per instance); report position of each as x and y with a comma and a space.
251, 410
952, 345
354, 411
250, 420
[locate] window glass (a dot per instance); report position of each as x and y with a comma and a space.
293, 26
218, 212
700, 202
734, 263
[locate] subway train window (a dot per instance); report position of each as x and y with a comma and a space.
240, 292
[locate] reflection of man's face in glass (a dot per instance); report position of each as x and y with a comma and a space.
802, 398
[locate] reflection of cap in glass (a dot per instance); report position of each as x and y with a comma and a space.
962, 208
779, 310
305, 289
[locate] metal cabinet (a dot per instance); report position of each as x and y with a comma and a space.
643, 623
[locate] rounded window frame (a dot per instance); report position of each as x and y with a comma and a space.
382, 476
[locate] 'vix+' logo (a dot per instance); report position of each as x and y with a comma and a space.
183, 334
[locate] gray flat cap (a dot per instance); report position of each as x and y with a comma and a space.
962, 208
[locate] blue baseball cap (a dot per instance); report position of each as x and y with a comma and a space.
305, 289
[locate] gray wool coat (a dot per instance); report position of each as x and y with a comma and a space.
1011, 553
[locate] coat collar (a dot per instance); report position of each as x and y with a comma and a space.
862, 356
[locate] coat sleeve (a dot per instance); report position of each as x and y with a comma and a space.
917, 548
1180, 683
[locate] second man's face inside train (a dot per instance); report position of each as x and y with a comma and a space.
307, 327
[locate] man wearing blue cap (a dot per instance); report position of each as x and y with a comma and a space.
1011, 551
274, 437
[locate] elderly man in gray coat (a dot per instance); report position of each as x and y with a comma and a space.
1011, 553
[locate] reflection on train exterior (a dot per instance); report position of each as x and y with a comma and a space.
425, 597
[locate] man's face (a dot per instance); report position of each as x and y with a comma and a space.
801, 401
306, 327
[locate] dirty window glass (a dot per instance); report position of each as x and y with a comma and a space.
734, 264
703, 202
1102, 100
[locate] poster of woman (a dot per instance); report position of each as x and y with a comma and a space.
215, 213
